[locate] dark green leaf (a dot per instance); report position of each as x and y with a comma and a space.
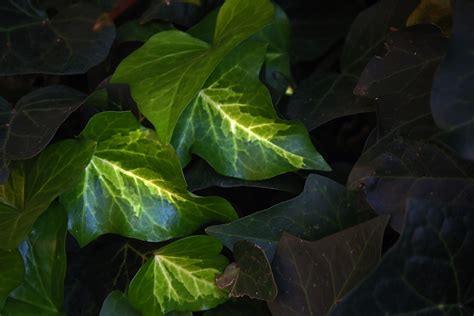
313, 276
11, 265
250, 275
180, 277
116, 304
134, 186
34, 184
200, 175
32, 43
401, 80
134, 31
241, 307
172, 66
322, 98
430, 271
452, 100
44, 255
232, 124
28, 127
324, 207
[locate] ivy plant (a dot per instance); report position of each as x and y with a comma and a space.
236, 157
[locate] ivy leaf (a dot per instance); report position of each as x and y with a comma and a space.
11, 265
134, 187
233, 126
27, 128
116, 304
34, 184
401, 80
314, 276
250, 275
66, 44
201, 176
331, 96
240, 307
324, 207
134, 31
168, 71
452, 101
44, 255
436, 241
180, 277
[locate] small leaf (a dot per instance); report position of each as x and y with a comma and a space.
34, 184
172, 66
11, 265
27, 128
452, 100
436, 241
116, 304
134, 186
233, 126
44, 255
314, 276
323, 208
66, 44
251, 274
180, 277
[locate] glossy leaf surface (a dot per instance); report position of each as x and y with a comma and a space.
233, 126
180, 277
44, 255
168, 71
134, 186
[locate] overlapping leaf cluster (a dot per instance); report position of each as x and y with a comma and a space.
206, 101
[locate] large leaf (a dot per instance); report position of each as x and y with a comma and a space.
401, 81
32, 43
430, 271
34, 184
116, 304
321, 98
180, 277
232, 124
11, 265
27, 128
452, 100
314, 276
250, 275
134, 186
324, 207
44, 255
168, 71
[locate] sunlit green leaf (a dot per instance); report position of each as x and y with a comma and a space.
168, 71
34, 184
134, 186
44, 255
180, 277
232, 124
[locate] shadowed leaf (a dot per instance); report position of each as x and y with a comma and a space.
240, 307
323, 208
11, 265
250, 275
452, 101
313, 276
66, 44
116, 304
430, 271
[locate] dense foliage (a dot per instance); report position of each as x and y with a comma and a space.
237, 157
